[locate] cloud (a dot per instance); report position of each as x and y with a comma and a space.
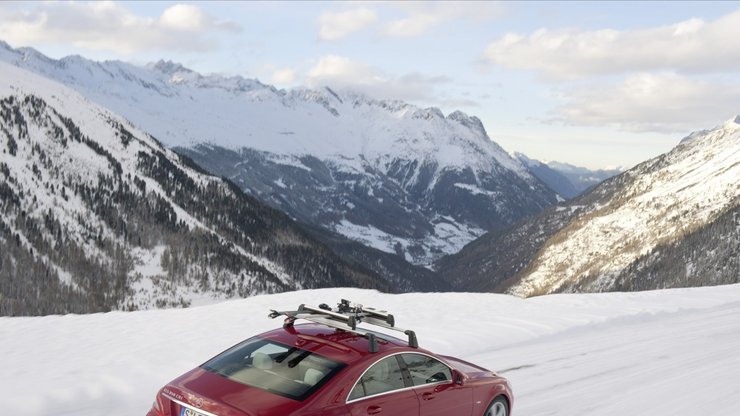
333, 65
413, 25
110, 26
692, 46
337, 25
665, 102
184, 17
423, 16
283, 77
343, 73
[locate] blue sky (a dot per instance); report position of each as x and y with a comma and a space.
598, 84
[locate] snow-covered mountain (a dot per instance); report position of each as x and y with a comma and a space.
549, 176
673, 221
96, 215
567, 180
565, 355
396, 177
583, 178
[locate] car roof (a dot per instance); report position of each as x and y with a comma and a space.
333, 343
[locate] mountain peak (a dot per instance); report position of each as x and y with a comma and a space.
168, 67
71, 58
471, 122
428, 113
29, 52
528, 161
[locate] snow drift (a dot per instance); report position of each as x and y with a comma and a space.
649, 353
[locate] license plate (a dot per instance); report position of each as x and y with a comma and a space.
190, 412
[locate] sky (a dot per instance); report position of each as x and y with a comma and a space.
596, 84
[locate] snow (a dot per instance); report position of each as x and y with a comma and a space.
280, 183
651, 353
148, 262
371, 236
476, 190
449, 237
287, 160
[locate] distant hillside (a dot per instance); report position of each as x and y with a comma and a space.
582, 178
555, 180
669, 222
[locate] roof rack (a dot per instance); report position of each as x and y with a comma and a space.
346, 317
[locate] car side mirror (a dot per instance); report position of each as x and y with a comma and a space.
457, 377
437, 377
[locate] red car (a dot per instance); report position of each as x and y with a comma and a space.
332, 367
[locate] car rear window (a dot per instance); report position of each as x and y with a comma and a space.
281, 369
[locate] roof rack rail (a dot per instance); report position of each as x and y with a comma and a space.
346, 317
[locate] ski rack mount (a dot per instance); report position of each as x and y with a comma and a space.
346, 318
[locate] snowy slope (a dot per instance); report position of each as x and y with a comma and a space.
672, 221
661, 200
657, 353
96, 215
339, 160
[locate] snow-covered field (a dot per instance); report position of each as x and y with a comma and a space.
652, 353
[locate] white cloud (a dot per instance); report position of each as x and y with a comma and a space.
423, 16
184, 17
643, 102
414, 25
692, 46
337, 25
343, 73
283, 77
418, 17
110, 26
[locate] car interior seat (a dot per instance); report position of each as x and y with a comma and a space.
262, 361
313, 376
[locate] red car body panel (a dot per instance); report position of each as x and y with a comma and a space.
402, 402
445, 399
213, 394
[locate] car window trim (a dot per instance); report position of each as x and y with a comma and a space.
402, 364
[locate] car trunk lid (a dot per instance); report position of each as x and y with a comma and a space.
211, 394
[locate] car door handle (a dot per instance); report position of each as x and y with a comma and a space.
374, 410
427, 396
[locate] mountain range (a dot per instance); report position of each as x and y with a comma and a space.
404, 180
129, 187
